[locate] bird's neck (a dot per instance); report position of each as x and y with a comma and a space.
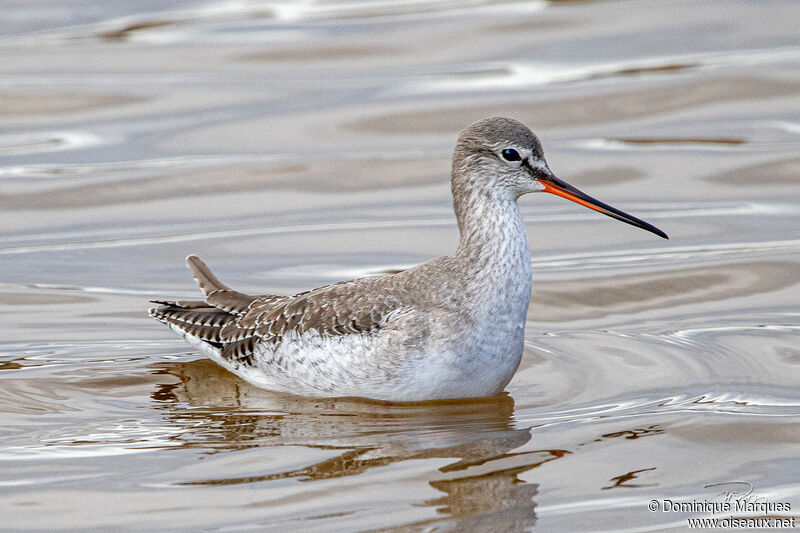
494, 262
493, 239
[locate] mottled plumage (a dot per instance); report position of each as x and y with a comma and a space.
452, 327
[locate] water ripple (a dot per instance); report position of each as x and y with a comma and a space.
660, 255
681, 144
743, 402
100, 170
499, 76
46, 141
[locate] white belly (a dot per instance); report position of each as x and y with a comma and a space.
371, 366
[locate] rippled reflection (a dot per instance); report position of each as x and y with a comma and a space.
219, 413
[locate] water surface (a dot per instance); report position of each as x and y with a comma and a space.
295, 144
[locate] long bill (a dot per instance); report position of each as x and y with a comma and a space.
559, 187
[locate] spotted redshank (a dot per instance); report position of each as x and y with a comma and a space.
453, 327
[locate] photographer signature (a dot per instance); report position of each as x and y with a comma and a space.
736, 491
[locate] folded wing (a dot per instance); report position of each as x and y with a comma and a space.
235, 323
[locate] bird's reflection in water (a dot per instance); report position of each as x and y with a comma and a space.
222, 413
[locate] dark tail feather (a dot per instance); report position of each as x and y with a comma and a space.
202, 322
183, 304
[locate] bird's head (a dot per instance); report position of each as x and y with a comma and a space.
501, 157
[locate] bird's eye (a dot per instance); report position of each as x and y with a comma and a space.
509, 154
